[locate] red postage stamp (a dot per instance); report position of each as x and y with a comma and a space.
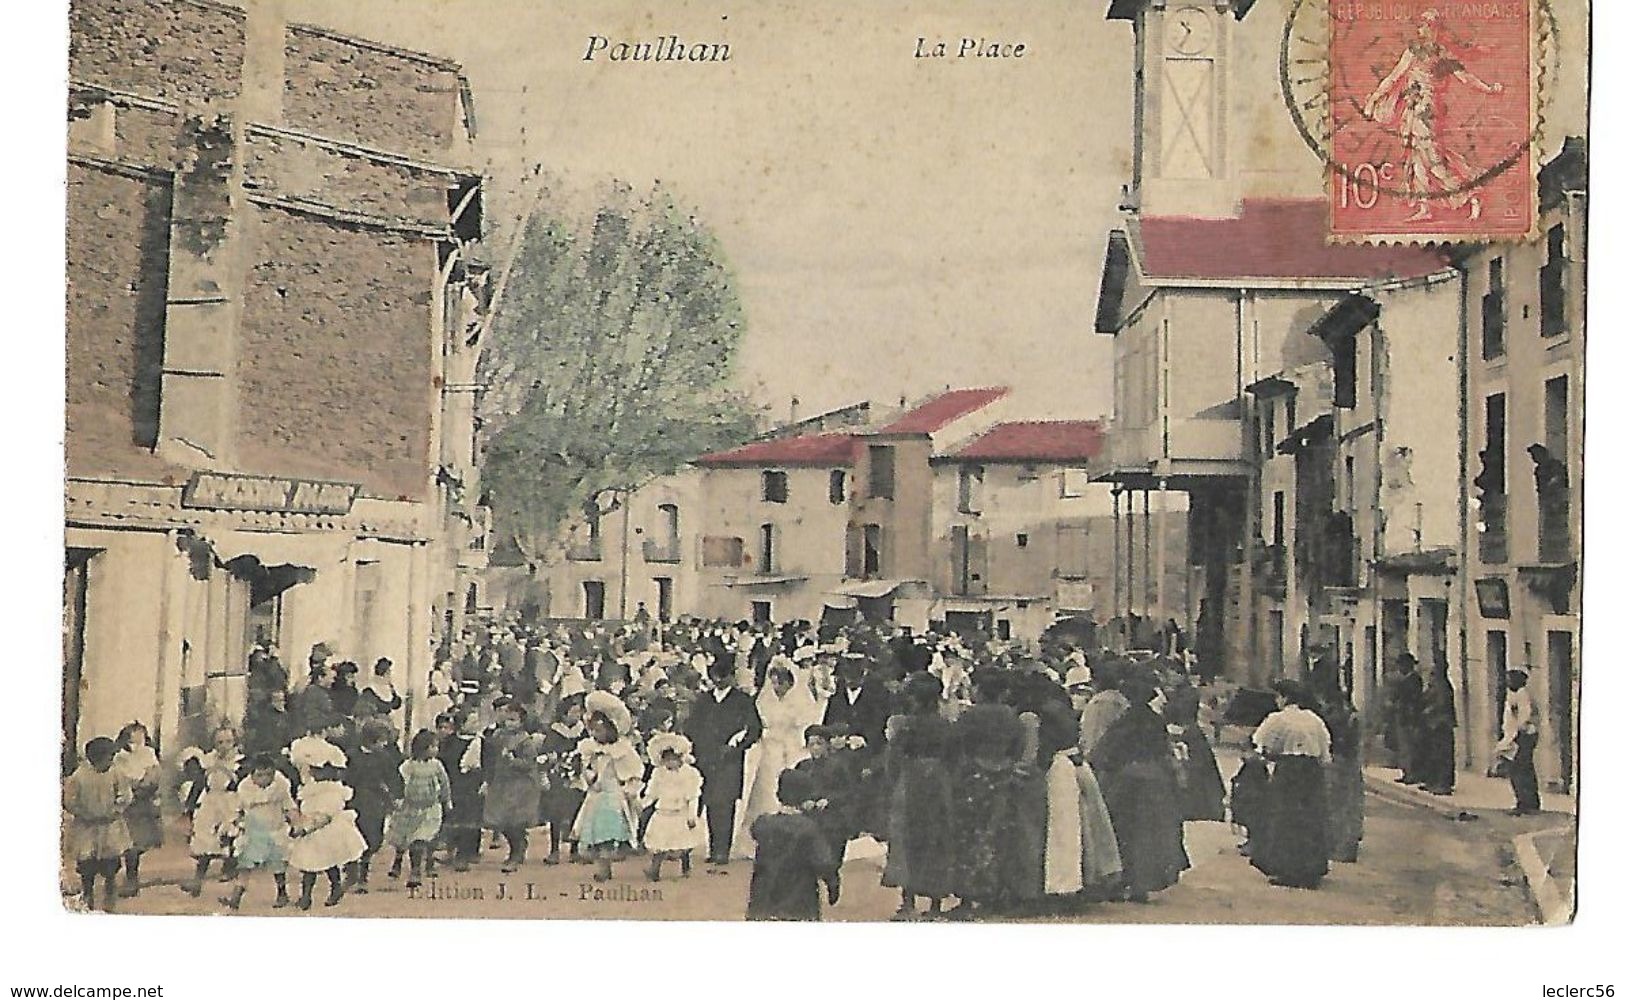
1432, 116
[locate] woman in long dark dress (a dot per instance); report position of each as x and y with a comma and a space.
1291, 846
987, 745
1345, 778
1201, 786
1136, 771
920, 842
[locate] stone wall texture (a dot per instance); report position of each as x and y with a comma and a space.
334, 366
277, 165
118, 237
174, 50
367, 96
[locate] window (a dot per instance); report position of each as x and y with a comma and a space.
837, 486
1346, 372
776, 487
1491, 482
1278, 532
882, 471
871, 550
1557, 417
1552, 475
1495, 652
970, 489
1072, 483
1072, 551
1027, 474
663, 598
767, 558
761, 612
1292, 412
1553, 296
1266, 446
665, 546
1494, 313
1021, 539
592, 599
959, 542
722, 551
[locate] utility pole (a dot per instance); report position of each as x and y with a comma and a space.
626, 541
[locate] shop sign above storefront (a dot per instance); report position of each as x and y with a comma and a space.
227, 491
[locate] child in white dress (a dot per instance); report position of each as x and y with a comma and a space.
267, 811
214, 826
674, 794
607, 824
326, 837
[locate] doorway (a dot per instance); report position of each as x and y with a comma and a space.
1560, 696
592, 599
761, 612
75, 586
663, 598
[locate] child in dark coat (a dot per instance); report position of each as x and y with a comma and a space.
375, 776
792, 858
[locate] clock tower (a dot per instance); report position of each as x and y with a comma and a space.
1182, 104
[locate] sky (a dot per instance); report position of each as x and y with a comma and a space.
896, 224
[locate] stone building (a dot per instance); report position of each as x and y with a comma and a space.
1525, 351
1024, 535
272, 317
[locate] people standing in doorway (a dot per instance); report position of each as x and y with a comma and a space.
1401, 734
1438, 733
1520, 732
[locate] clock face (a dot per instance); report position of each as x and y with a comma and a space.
1191, 31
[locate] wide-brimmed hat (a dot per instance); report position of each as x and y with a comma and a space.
612, 708
662, 743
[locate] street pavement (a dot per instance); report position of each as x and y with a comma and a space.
1416, 867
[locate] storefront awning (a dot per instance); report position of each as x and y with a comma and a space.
870, 588
766, 580
316, 550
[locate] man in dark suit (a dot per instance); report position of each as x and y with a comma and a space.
862, 705
722, 725
857, 703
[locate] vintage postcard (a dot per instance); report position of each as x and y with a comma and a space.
1107, 461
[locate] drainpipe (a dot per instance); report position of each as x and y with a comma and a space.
1463, 522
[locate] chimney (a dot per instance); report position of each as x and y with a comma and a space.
795, 409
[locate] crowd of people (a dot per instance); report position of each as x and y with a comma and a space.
1002, 777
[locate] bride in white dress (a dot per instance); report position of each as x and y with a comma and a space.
787, 706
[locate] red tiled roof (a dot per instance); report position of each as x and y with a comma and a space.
1037, 441
940, 411
808, 449
1272, 238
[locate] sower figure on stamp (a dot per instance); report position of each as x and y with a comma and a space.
723, 724
1411, 100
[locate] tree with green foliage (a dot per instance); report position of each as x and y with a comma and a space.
609, 360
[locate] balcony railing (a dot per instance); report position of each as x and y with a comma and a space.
658, 551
